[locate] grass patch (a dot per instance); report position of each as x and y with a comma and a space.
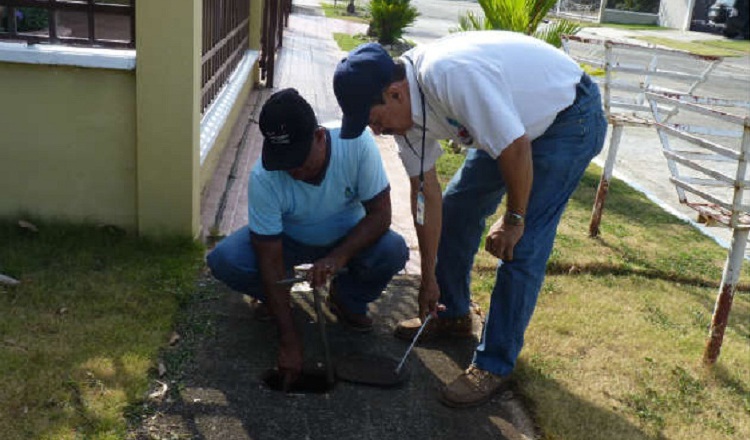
361, 13
79, 337
614, 348
347, 42
742, 46
715, 48
632, 27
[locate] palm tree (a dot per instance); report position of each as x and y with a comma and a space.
519, 16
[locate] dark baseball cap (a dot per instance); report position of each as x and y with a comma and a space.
359, 79
288, 125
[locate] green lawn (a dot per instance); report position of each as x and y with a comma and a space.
615, 346
722, 48
361, 13
80, 336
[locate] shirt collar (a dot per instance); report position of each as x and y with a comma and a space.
416, 96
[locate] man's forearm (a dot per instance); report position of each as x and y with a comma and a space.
516, 166
271, 266
368, 231
428, 234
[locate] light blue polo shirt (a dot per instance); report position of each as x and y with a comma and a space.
318, 215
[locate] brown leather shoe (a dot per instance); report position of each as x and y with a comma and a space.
467, 326
472, 388
356, 322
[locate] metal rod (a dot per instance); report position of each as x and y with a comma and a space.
413, 341
322, 326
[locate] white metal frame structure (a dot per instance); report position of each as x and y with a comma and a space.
708, 164
624, 85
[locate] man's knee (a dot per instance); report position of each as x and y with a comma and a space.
232, 274
394, 256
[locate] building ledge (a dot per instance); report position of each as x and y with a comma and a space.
51, 54
216, 115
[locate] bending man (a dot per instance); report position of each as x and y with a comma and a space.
533, 121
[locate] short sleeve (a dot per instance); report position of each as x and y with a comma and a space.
264, 203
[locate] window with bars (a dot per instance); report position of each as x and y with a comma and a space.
93, 23
225, 42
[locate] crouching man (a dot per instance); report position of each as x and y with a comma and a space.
313, 198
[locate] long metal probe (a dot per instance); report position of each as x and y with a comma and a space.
322, 326
413, 341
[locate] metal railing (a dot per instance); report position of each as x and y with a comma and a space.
225, 41
275, 19
95, 23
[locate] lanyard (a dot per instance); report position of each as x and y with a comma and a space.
420, 194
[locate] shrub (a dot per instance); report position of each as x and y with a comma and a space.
27, 19
523, 16
390, 18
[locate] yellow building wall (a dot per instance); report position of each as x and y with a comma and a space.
67, 143
115, 146
168, 44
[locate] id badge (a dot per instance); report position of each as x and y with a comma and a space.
420, 208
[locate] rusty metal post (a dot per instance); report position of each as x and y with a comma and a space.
603, 189
280, 6
273, 22
724, 299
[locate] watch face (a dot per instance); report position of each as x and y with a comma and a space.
513, 218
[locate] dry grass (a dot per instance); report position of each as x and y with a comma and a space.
80, 335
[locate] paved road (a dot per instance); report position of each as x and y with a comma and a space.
437, 17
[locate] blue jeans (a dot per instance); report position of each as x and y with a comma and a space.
233, 261
560, 157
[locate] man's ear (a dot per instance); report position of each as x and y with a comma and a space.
320, 134
397, 90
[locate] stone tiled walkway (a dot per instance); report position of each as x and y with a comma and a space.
306, 62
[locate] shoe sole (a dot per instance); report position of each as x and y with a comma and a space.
451, 404
458, 405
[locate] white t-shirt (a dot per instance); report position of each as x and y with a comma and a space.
484, 90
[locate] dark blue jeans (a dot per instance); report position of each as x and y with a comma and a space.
560, 157
234, 262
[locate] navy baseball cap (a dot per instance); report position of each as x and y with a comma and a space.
288, 125
358, 80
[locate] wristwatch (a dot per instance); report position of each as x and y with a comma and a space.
513, 219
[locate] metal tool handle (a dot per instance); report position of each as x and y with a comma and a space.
413, 341
317, 299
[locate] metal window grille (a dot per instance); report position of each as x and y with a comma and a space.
94, 23
225, 40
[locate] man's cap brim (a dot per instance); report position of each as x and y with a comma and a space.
353, 124
285, 158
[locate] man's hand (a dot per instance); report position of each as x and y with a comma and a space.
429, 294
323, 270
290, 360
502, 238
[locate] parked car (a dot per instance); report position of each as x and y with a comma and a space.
732, 15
